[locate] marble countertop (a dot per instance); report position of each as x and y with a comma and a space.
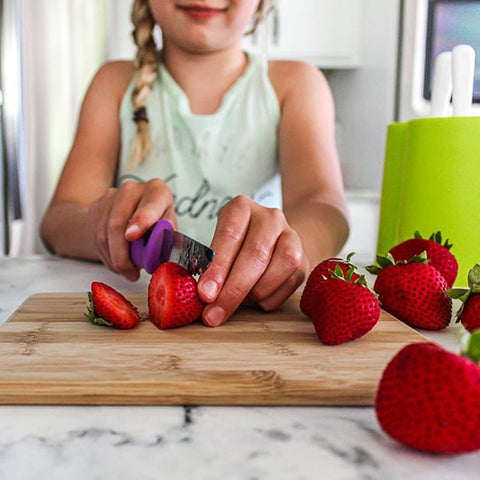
70, 442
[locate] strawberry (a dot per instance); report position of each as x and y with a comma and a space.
412, 291
439, 254
428, 398
343, 310
108, 307
321, 272
173, 299
469, 312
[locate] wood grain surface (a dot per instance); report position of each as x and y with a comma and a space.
50, 354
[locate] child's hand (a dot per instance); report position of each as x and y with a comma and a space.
258, 257
123, 215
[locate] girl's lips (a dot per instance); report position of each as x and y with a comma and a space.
201, 13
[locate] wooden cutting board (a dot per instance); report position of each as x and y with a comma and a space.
50, 354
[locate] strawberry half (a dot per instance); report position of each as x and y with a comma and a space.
343, 310
108, 307
320, 273
437, 252
469, 312
413, 291
428, 398
173, 299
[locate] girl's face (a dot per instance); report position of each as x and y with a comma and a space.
203, 25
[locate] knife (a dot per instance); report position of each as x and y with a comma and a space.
163, 244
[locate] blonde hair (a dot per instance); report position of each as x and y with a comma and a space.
263, 9
146, 61
145, 75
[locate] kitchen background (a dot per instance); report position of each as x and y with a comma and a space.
373, 53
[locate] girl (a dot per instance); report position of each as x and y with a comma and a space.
195, 133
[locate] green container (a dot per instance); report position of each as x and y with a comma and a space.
432, 182
391, 187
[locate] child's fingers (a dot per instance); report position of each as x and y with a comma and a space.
232, 226
249, 265
257, 256
285, 273
108, 218
155, 202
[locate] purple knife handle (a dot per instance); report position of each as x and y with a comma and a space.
154, 248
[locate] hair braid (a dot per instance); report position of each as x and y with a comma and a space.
145, 75
263, 9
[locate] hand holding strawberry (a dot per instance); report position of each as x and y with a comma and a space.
428, 398
413, 291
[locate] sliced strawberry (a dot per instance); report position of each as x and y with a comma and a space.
110, 308
173, 299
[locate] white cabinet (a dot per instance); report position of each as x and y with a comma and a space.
324, 32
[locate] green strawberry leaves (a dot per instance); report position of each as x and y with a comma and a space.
435, 237
359, 280
473, 285
338, 272
389, 261
463, 294
93, 316
472, 350
349, 258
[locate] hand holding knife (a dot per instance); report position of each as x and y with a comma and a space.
163, 244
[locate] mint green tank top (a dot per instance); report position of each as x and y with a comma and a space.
207, 160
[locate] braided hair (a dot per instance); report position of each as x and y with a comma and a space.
145, 75
263, 9
146, 60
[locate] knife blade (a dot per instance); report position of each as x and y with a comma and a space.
163, 244
190, 254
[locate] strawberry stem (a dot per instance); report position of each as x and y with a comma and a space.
349, 257
93, 316
388, 261
458, 293
435, 237
360, 280
474, 278
463, 294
